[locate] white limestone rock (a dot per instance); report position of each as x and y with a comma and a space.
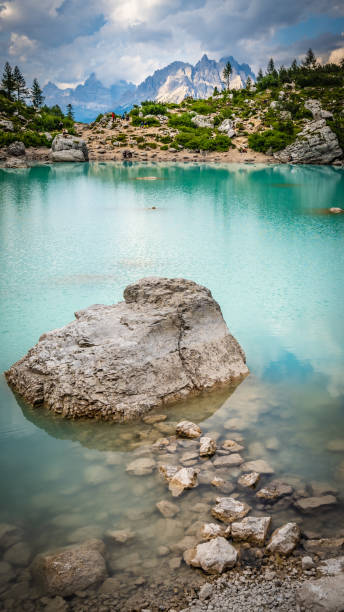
251, 529
67, 148
228, 509
227, 126
315, 144
203, 121
185, 478
215, 556
207, 446
166, 341
284, 539
187, 429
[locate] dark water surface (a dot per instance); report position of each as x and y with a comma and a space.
74, 235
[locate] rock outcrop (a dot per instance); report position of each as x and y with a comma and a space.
70, 569
16, 148
316, 144
227, 126
66, 148
166, 341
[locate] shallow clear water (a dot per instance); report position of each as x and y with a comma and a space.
260, 239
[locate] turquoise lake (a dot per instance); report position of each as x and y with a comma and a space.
260, 238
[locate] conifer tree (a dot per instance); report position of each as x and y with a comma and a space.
310, 59
36, 94
227, 72
216, 91
259, 75
294, 66
248, 83
19, 84
7, 82
70, 113
271, 66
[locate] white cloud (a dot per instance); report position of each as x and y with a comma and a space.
65, 40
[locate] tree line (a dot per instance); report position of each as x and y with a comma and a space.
13, 86
309, 72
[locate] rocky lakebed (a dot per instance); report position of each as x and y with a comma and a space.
189, 508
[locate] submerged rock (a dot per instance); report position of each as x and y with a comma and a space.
228, 509
167, 508
185, 478
207, 446
274, 491
284, 539
141, 466
249, 480
71, 569
214, 557
312, 504
260, 465
66, 148
166, 341
187, 429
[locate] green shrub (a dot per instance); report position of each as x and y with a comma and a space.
202, 140
202, 108
270, 139
164, 147
151, 145
139, 139
99, 117
121, 137
29, 138
182, 120
150, 121
337, 126
153, 108
166, 139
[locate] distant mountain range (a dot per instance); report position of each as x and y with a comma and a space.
170, 84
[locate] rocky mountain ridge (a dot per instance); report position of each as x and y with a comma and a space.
173, 83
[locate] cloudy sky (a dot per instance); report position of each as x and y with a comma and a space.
65, 40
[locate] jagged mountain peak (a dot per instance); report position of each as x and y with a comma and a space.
172, 83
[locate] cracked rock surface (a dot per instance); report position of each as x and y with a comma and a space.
166, 341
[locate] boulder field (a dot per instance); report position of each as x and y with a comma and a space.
167, 341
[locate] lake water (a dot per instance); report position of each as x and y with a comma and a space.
260, 239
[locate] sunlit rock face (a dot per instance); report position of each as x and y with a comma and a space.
168, 340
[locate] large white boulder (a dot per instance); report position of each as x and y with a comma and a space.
67, 148
166, 341
315, 144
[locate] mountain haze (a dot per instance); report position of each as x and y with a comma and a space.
172, 83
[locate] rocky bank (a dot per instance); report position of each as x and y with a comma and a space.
167, 340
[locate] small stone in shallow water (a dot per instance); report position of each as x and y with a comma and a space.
336, 446
307, 563
151, 419
249, 480
228, 509
120, 536
251, 529
260, 465
141, 467
18, 554
207, 446
167, 508
274, 491
167, 471
214, 557
324, 546
187, 429
95, 474
232, 446
223, 485
272, 444
228, 460
284, 539
185, 478
212, 530
311, 504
